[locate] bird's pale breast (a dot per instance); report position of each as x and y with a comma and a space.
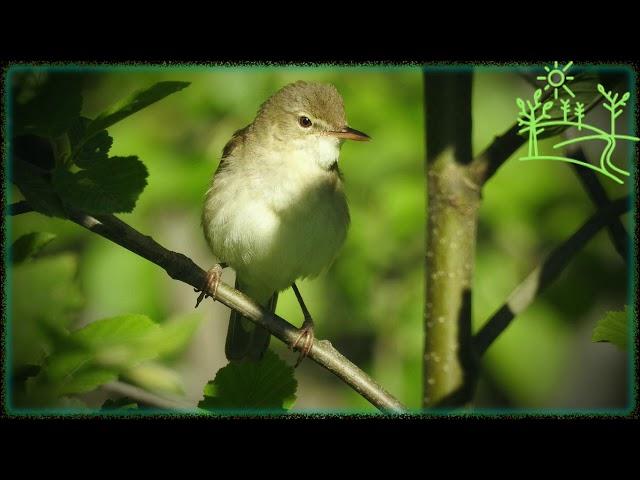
276, 221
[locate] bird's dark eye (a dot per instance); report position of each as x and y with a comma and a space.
304, 122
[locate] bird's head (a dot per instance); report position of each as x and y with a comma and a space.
307, 114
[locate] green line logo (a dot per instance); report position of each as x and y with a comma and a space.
535, 118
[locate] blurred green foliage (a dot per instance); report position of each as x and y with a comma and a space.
370, 302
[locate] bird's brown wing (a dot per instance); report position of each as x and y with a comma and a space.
237, 139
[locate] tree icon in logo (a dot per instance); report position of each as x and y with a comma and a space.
534, 117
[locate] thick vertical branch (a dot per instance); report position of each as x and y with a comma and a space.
453, 200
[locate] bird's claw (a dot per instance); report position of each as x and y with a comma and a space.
307, 337
210, 287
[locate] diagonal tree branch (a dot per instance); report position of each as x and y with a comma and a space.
600, 199
546, 273
180, 267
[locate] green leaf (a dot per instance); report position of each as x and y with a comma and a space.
29, 245
37, 189
108, 348
613, 328
173, 335
71, 371
85, 380
265, 385
46, 104
44, 292
123, 329
108, 186
134, 103
98, 353
94, 149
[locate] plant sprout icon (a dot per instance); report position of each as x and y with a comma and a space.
535, 117
557, 78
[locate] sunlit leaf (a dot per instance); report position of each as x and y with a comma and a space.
86, 380
613, 329
119, 330
174, 334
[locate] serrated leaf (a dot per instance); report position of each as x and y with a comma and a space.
265, 385
112, 185
29, 245
50, 106
133, 104
37, 189
94, 149
613, 329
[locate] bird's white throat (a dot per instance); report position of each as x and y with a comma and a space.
323, 151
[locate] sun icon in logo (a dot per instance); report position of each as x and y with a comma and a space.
556, 78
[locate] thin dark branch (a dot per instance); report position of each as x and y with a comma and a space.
546, 273
180, 267
19, 208
598, 195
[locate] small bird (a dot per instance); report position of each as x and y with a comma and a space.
276, 209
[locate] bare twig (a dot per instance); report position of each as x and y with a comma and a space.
145, 397
180, 267
546, 273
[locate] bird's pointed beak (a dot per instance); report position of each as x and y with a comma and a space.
349, 133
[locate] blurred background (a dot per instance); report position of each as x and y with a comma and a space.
370, 302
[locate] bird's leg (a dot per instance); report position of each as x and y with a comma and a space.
306, 331
211, 284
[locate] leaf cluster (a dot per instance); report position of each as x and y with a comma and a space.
60, 159
54, 361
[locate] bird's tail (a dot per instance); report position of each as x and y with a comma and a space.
245, 339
